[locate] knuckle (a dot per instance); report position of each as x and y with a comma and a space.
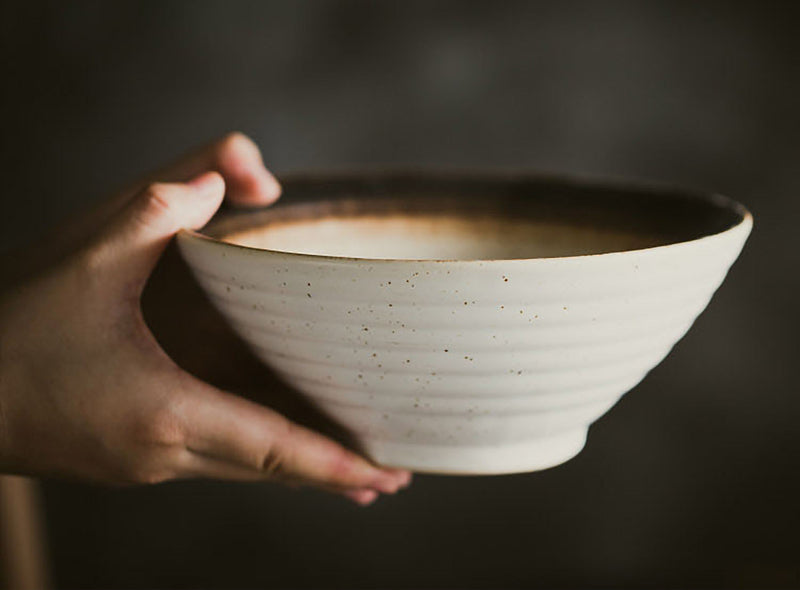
274, 463
155, 208
159, 428
151, 210
158, 195
340, 466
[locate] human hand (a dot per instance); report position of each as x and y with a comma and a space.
87, 392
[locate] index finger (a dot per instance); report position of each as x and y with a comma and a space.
236, 157
243, 433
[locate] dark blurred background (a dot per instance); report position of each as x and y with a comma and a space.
692, 480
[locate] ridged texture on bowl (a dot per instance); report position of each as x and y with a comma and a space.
465, 367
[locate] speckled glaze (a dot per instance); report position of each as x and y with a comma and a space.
467, 366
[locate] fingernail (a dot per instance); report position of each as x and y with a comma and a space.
401, 477
387, 485
362, 497
270, 187
405, 478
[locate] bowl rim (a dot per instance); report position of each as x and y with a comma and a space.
718, 200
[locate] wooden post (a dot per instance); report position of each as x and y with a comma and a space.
23, 561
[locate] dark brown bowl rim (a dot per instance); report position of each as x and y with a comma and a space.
371, 188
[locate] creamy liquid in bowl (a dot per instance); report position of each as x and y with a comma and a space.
438, 237
494, 227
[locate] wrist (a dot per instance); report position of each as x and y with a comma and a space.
6, 389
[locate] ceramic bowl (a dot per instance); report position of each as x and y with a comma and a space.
467, 324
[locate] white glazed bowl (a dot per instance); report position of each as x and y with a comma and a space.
467, 324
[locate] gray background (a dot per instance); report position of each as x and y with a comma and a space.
692, 480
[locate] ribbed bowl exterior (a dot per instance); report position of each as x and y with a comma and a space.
466, 366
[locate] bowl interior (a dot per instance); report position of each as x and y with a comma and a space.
435, 218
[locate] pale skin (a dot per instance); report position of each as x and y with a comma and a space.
86, 391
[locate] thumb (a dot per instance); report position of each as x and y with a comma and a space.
130, 246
